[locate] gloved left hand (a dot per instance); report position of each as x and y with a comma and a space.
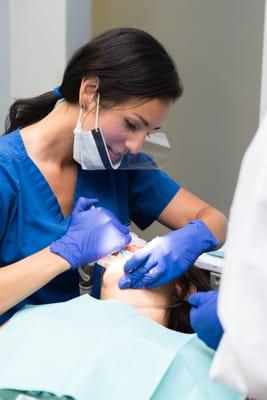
204, 319
92, 233
168, 257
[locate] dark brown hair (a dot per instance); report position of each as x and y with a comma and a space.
178, 317
130, 64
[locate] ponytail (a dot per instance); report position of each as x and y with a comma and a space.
130, 65
25, 112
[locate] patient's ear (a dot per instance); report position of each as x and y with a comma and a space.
192, 289
179, 290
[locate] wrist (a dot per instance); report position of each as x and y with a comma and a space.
60, 251
207, 240
56, 263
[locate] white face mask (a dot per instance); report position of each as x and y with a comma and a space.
89, 149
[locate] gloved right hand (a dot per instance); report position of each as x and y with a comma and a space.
92, 234
167, 257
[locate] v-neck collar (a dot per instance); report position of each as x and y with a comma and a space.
41, 183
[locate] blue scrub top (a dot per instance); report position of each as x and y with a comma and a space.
31, 217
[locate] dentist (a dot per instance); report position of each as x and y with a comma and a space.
73, 174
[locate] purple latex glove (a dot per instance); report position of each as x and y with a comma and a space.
204, 319
167, 257
92, 233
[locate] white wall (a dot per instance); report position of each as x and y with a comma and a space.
38, 45
37, 38
217, 45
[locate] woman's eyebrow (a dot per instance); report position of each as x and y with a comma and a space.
145, 121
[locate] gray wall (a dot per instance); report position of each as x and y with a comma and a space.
5, 60
78, 24
37, 45
36, 39
217, 45
263, 102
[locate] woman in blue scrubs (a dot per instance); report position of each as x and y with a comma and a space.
57, 162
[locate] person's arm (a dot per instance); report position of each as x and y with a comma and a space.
186, 207
23, 278
197, 228
92, 234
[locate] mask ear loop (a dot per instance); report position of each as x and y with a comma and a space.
83, 109
79, 122
97, 110
163, 306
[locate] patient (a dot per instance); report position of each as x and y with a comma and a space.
167, 304
107, 349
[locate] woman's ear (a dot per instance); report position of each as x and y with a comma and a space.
88, 89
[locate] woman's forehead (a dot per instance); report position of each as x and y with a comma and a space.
149, 110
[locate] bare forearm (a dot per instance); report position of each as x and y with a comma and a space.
186, 207
23, 278
215, 221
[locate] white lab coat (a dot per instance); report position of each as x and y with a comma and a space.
241, 359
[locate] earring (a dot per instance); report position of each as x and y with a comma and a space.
84, 106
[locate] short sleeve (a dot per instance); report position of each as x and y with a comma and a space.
7, 198
150, 191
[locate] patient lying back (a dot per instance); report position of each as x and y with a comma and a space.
167, 304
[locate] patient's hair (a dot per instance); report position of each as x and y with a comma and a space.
178, 317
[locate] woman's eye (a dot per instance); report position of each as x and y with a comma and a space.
130, 125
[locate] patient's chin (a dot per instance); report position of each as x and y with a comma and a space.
146, 301
113, 272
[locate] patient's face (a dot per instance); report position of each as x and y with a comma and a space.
147, 301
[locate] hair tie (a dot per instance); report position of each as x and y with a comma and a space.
57, 92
